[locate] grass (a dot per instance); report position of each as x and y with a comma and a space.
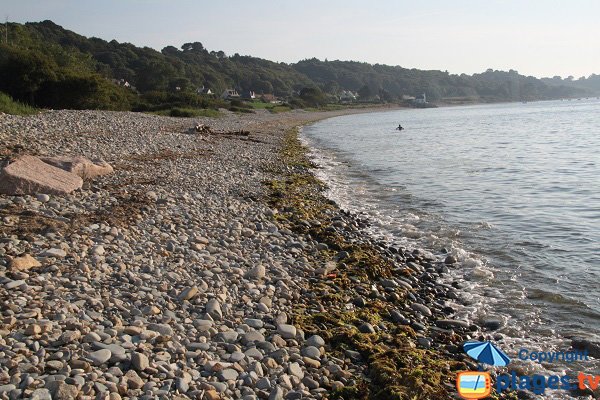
274, 108
189, 112
330, 107
10, 106
260, 105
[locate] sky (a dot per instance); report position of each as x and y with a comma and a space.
542, 38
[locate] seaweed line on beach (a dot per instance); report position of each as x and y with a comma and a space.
394, 367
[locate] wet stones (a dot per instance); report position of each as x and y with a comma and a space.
359, 301
399, 318
592, 348
450, 323
450, 260
492, 324
366, 328
422, 309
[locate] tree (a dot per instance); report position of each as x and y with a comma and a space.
170, 51
331, 87
313, 96
184, 84
195, 47
365, 92
22, 72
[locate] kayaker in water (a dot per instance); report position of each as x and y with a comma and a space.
399, 127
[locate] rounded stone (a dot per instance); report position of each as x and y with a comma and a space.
99, 357
312, 352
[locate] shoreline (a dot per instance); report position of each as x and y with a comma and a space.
479, 327
374, 304
209, 266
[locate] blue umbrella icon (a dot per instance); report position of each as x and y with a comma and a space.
486, 353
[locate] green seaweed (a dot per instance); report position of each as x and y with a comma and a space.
394, 367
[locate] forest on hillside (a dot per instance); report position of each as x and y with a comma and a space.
45, 65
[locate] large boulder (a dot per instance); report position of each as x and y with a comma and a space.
80, 166
30, 175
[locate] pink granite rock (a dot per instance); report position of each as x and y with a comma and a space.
30, 175
81, 166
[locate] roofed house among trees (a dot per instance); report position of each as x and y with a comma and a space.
248, 95
348, 96
230, 94
204, 90
422, 99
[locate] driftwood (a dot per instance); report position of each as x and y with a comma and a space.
206, 130
201, 128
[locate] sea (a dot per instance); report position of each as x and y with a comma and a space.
511, 190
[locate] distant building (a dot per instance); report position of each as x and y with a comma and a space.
248, 95
204, 90
421, 99
122, 82
230, 94
348, 96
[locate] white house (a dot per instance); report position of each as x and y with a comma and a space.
230, 94
348, 95
204, 90
421, 99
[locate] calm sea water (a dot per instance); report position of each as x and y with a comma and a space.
512, 190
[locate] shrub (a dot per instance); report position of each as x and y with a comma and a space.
178, 112
9, 106
241, 110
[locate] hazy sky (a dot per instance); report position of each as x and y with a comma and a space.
535, 37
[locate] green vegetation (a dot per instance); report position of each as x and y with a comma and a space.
274, 108
189, 112
9, 106
395, 368
44, 65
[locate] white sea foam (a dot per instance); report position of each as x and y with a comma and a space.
413, 227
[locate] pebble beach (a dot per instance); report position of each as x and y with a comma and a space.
209, 266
